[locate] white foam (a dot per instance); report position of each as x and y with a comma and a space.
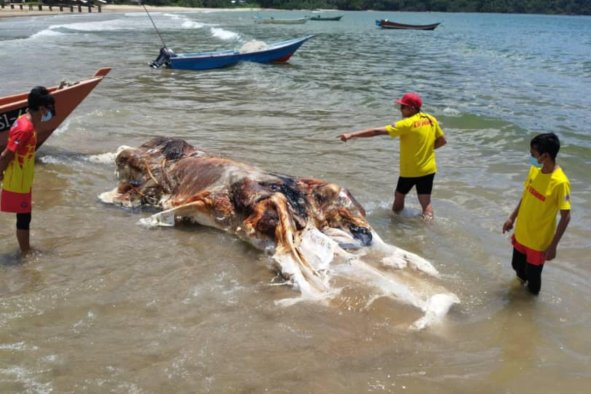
14, 346
435, 309
189, 24
50, 32
223, 34
451, 111
49, 159
163, 219
27, 378
103, 158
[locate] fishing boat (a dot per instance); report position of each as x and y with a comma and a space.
278, 52
325, 18
386, 24
67, 97
279, 21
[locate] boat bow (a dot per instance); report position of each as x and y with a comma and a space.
68, 95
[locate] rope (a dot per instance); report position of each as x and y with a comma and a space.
153, 24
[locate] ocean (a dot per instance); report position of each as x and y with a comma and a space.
106, 305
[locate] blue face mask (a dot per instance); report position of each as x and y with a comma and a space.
47, 117
534, 162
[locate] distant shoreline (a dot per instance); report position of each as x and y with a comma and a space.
7, 12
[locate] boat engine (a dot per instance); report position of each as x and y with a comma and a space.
163, 58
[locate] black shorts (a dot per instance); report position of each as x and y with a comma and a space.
424, 184
23, 221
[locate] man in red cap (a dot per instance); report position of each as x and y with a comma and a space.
420, 134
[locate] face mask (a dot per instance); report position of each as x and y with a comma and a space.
47, 117
534, 162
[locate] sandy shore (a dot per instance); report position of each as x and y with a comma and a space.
7, 12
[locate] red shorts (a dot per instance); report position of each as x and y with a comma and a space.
15, 202
534, 257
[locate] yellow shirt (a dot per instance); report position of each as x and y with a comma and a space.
417, 144
543, 196
22, 140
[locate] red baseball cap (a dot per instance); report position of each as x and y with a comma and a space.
410, 100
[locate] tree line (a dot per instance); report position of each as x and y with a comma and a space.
568, 7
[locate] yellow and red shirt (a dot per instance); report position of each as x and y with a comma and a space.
18, 176
543, 196
417, 144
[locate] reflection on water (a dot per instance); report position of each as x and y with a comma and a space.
110, 306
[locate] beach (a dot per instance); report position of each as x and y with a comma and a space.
8, 12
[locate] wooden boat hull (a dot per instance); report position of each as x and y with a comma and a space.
279, 52
66, 97
386, 24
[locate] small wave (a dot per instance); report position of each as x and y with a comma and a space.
138, 14
110, 25
107, 157
223, 34
50, 159
189, 24
174, 16
451, 111
103, 158
46, 33
186, 23
63, 127
68, 158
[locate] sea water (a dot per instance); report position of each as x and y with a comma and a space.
106, 305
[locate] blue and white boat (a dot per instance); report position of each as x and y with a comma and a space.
279, 52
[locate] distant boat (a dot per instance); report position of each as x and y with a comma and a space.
278, 52
278, 21
67, 97
386, 24
325, 18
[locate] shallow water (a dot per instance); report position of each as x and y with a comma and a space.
109, 306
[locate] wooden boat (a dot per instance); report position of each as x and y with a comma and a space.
278, 52
386, 24
67, 97
325, 18
278, 21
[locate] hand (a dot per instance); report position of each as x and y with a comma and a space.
508, 225
345, 137
550, 253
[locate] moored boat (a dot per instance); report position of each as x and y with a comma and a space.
278, 52
386, 24
325, 18
280, 21
67, 97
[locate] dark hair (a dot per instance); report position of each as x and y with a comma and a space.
546, 143
40, 97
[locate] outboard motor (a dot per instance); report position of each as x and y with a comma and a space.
163, 58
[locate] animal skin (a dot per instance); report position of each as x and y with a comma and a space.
303, 223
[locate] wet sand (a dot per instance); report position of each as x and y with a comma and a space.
8, 12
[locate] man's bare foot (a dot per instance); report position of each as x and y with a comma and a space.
428, 217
